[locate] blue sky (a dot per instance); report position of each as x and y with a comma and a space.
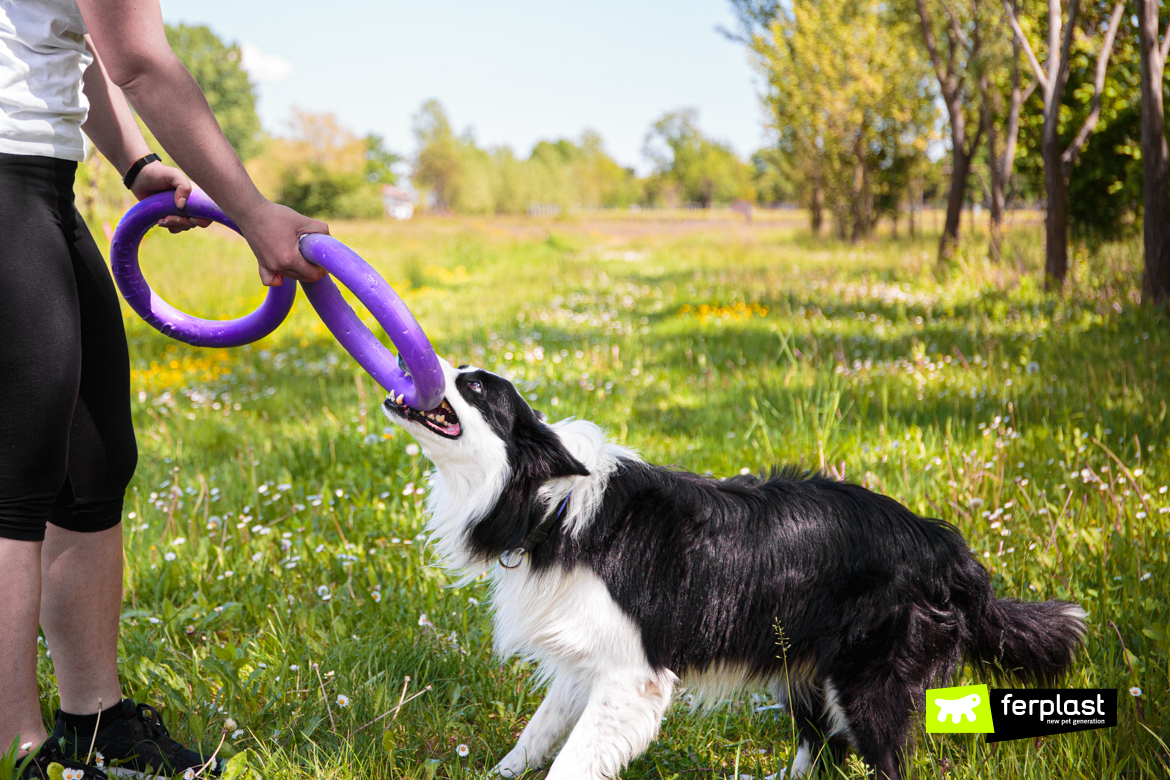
516, 71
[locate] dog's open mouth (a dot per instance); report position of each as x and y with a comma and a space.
442, 419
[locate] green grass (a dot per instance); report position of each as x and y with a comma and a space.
272, 535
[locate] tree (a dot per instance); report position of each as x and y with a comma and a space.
1155, 157
1059, 157
702, 170
380, 161
230, 93
957, 80
1001, 161
848, 96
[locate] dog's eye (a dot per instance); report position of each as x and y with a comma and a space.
476, 386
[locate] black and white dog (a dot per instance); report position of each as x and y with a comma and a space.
622, 579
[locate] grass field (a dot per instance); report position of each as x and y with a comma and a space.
275, 571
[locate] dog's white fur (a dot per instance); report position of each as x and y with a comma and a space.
603, 694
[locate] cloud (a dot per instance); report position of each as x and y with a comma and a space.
263, 67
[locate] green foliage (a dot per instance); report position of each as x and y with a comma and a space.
380, 161
849, 99
691, 168
230, 93
459, 176
322, 169
268, 478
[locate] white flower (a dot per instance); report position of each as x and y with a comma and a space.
1146, 576
230, 724
99, 760
169, 556
1135, 691
180, 540
1138, 472
377, 597
26, 746
72, 774
256, 558
189, 774
342, 700
462, 750
294, 668
322, 590
237, 733
412, 449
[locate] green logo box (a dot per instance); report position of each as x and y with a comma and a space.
965, 709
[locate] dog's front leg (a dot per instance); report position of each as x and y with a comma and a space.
619, 722
554, 717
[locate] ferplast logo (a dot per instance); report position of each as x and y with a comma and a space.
965, 709
1018, 713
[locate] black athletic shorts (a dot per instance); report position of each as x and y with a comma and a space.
67, 448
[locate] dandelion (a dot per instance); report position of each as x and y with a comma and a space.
462, 751
1135, 691
412, 449
342, 700
230, 724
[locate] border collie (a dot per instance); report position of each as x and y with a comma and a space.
624, 580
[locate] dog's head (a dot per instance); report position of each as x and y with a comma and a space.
485, 439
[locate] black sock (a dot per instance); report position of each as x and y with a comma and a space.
85, 725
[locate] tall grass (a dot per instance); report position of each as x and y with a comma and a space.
275, 572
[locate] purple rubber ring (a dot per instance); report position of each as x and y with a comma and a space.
425, 385
165, 317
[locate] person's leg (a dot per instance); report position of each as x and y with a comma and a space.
81, 598
40, 358
20, 591
81, 574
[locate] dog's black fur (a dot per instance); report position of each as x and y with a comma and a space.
849, 595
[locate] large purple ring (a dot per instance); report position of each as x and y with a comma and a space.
165, 317
421, 386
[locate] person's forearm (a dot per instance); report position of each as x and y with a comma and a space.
110, 124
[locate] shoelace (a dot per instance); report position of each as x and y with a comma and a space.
155, 728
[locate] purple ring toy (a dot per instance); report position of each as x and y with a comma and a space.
165, 317
425, 385
423, 388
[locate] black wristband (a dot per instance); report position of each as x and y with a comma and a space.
138, 165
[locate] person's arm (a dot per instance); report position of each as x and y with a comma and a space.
130, 39
112, 128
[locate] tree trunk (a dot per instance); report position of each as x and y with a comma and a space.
816, 208
857, 193
960, 165
1155, 161
1056, 213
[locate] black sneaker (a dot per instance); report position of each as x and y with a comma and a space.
50, 753
139, 745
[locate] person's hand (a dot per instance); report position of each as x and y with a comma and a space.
156, 177
273, 232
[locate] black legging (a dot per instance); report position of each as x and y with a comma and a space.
67, 447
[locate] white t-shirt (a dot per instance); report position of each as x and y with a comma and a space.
42, 60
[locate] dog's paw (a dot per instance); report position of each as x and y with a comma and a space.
512, 765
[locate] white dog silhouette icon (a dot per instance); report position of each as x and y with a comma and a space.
958, 708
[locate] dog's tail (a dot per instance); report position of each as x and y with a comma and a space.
1032, 641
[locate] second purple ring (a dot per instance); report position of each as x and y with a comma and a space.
425, 385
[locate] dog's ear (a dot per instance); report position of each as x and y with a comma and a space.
540, 416
542, 455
